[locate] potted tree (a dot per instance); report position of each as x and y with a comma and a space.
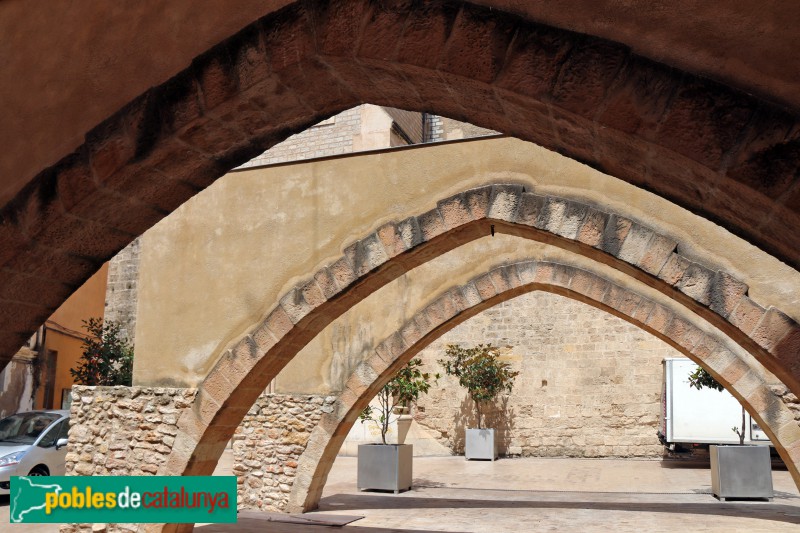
480, 371
737, 471
385, 466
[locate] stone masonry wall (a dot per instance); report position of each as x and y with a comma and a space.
447, 129
123, 430
122, 289
589, 383
268, 444
333, 136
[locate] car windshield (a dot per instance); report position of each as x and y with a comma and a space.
25, 428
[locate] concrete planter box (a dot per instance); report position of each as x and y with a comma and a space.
480, 444
385, 467
741, 472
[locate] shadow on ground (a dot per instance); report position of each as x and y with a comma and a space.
247, 525
761, 511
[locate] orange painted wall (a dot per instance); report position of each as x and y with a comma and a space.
63, 329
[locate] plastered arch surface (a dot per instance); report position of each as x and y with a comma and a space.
242, 372
722, 153
753, 388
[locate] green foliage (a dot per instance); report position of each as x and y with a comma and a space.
107, 358
409, 383
700, 379
480, 371
403, 390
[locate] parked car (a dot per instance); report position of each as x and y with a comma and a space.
32, 444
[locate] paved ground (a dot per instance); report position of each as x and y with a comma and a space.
527, 495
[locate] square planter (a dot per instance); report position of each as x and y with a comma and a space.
741, 472
385, 467
480, 444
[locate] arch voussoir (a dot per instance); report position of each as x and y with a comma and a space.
710, 148
631, 247
751, 386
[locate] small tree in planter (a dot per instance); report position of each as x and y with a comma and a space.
480, 371
389, 466
736, 471
402, 391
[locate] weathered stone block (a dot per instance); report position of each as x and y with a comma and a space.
279, 322
295, 305
485, 287
746, 315
622, 300
636, 244
431, 224
504, 203
392, 348
696, 283
614, 234
343, 272
531, 209
527, 272
477, 200
673, 269
774, 325
366, 255
593, 227
326, 282
501, 280
658, 252
455, 211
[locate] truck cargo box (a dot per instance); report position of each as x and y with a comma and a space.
705, 416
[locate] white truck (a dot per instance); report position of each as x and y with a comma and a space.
700, 417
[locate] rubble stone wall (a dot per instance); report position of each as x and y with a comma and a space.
268, 444
121, 431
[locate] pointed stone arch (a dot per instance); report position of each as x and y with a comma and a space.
712, 149
713, 296
753, 388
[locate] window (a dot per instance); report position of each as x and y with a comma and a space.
51, 436
25, 428
64, 431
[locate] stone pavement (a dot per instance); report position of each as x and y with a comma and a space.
536, 494
530, 495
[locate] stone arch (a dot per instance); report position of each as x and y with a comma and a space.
723, 153
243, 371
752, 388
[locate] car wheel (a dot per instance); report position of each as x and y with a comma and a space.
39, 471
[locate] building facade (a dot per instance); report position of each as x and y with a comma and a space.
39, 376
